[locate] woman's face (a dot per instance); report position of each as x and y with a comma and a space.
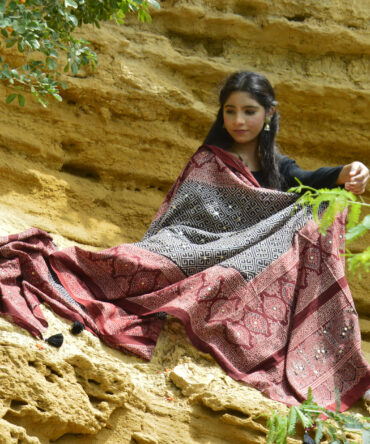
243, 117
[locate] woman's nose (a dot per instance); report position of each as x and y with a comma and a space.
239, 119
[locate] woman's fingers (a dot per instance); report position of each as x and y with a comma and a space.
355, 168
357, 178
354, 176
356, 188
359, 172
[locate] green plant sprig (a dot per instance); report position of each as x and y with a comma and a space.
325, 204
334, 426
41, 30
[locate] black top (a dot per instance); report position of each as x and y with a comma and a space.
321, 178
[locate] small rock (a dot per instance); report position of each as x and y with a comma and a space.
142, 438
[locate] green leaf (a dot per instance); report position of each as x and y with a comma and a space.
74, 67
353, 215
57, 97
305, 419
45, 28
51, 63
319, 432
21, 45
53, 53
42, 101
21, 100
34, 44
360, 260
10, 98
281, 430
366, 222
70, 3
154, 3
10, 42
292, 420
271, 425
73, 20
309, 395
358, 230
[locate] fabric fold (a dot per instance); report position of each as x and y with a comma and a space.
253, 281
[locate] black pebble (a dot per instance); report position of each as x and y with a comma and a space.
77, 327
161, 315
307, 439
55, 340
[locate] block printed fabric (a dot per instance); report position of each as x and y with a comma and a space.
254, 283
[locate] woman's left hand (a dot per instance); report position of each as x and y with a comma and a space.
354, 176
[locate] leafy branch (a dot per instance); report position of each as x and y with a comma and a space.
334, 426
326, 204
40, 31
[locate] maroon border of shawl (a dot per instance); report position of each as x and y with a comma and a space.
233, 162
199, 343
352, 396
324, 297
278, 356
117, 340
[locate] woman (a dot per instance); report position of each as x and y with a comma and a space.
254, 283
247, 124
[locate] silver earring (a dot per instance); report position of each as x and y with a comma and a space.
267, 124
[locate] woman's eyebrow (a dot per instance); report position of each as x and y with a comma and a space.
246, 106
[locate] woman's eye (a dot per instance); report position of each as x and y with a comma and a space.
250, 112
229, 111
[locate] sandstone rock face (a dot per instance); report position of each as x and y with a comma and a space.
94, 170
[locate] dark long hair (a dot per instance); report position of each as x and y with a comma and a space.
260, 90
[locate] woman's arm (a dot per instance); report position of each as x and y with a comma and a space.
325, 177
354, 177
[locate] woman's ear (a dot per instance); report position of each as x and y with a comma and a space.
271, 112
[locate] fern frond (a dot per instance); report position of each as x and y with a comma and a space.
299, 188
305, 201
292, 421
319, 432
331, 431
327, 218
334, 427
271, 424
281, 429
309, 399
358, 230
342, 202
353, 215
316, 210
358, 261
305, 419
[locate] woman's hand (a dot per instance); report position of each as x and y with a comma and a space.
354, 177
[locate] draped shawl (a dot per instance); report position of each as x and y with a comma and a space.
254, 283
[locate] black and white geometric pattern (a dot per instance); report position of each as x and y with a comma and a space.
205, 225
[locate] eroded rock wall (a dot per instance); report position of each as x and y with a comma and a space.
94, 170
